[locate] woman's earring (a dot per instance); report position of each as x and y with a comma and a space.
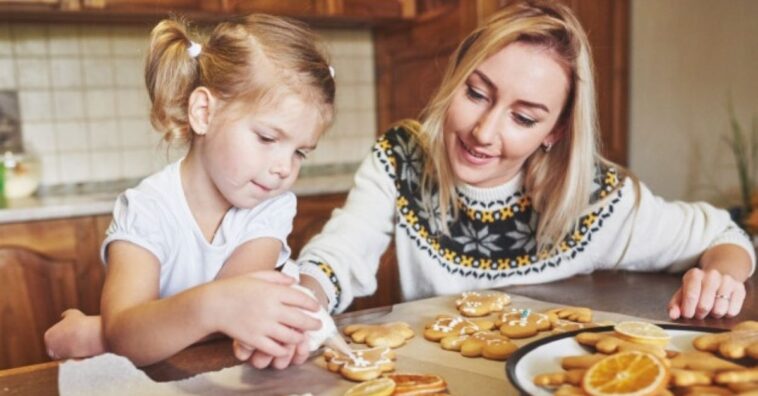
546, 147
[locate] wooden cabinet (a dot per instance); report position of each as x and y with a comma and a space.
46, 267
411, 58
365, 12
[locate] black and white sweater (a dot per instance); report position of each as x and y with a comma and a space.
492, 242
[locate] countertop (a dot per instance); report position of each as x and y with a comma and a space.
642, 295
89, 201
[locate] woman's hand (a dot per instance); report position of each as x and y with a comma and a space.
707, 292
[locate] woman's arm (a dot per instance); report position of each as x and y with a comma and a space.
137, 324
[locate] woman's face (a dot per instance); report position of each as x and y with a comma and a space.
503, 112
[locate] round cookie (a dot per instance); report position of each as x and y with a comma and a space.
475, 304
368, 363
446, 325
391, 335
522, 323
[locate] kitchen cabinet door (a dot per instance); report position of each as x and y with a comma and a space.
46, 267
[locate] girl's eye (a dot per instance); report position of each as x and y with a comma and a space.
524, 120
265, 139
474, 95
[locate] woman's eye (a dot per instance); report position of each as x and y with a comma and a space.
523, 120
474, 94
301, 154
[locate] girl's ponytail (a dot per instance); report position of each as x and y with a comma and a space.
171, 73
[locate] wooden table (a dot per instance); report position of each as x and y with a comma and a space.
636, 294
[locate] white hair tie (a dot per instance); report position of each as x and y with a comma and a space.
331, 71
194, 49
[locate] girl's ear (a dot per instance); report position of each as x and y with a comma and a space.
202, 104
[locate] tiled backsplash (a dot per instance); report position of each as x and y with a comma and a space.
84, 108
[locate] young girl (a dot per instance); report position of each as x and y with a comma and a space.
501, 183
192, 249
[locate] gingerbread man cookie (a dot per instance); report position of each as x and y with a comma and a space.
482, 303
368, 363
391, 335
608, 343
522, 323
740, 342
488, 344
446, 325
574, 314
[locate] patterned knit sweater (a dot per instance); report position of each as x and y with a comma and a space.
492, 241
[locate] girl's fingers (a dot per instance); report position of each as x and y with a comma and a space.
298, 319
285, 335
692, 283
283, 362
301, 353
267, 346
297, 298
674, 311
242, 351
711, 283
261, 360
735, 304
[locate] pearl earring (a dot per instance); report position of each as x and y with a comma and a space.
546, 147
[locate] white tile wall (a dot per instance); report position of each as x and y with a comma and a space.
84, 108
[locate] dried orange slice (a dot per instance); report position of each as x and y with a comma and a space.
642, 333
374, 387
631, 373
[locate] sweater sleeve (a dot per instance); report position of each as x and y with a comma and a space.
660, 235
344, 257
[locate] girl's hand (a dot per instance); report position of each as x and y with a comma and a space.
262, 312
706, 293
296, 354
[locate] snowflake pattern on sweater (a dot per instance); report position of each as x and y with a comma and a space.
491, 240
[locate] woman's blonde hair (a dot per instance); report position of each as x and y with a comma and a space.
256, 58
558, 183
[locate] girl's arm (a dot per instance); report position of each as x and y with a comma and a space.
258, 254
138, 325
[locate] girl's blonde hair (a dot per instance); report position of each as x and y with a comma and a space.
558, 183
256, 58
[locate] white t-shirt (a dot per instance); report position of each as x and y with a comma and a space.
155, 216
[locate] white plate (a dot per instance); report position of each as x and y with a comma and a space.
544, 355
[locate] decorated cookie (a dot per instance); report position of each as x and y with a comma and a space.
417, 384
368, 363
482, 303
740, 342
446, 325
391, 335
574, 314
488, 344
522, 323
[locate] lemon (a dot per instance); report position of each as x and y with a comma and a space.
642, 333
375, 387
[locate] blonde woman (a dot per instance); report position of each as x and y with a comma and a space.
501, 183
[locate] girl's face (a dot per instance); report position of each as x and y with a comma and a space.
256, 156
503, 112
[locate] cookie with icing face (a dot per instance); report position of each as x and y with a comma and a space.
475, 304
367, 363
522, 323
488, 344
446, 325
391, 335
